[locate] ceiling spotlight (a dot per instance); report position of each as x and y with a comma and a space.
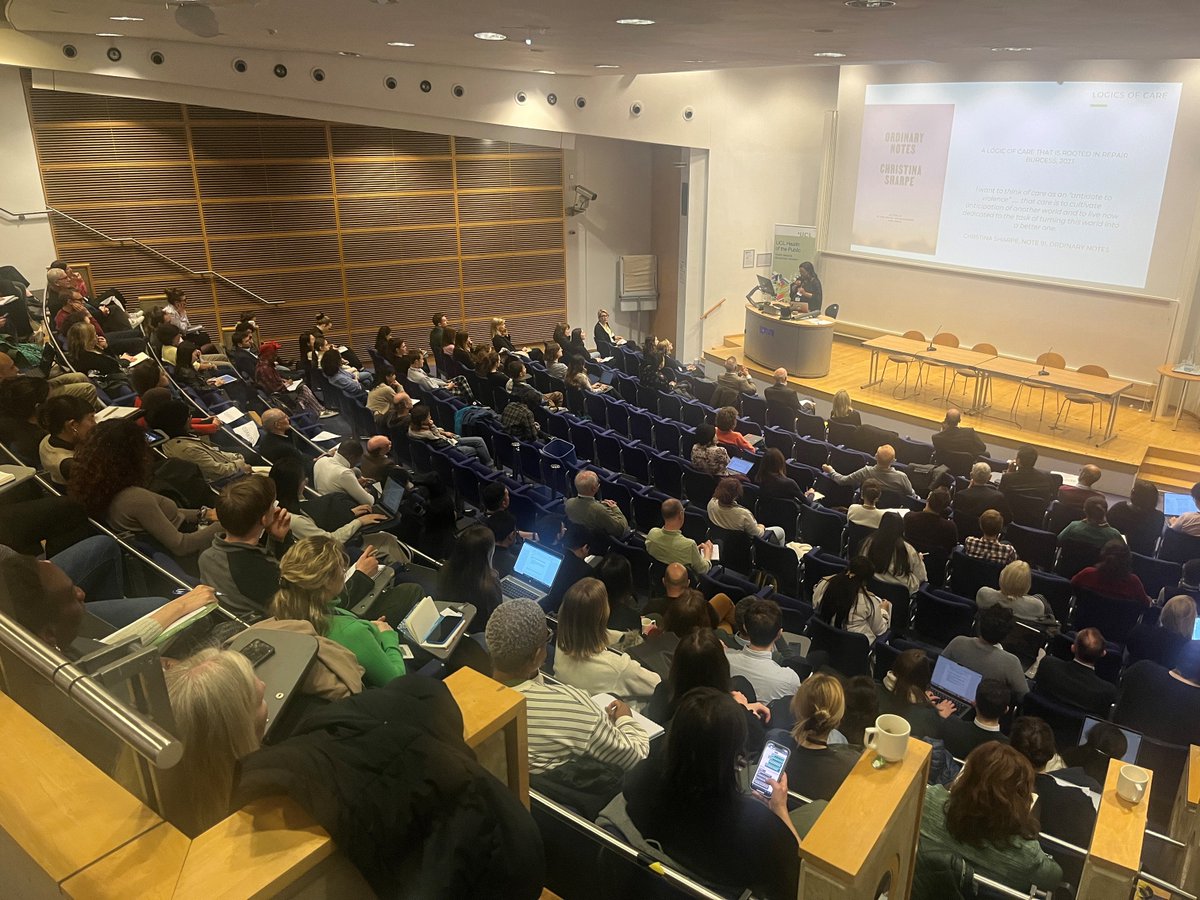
830, 54
108, 34
491, 36
1011, 49
544, 72
349, 53
870, 4
635, 21
126, 19
400, 44
528, 42
606, 66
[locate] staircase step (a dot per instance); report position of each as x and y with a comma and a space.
1160, 455
1168, 470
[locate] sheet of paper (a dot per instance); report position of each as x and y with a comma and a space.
295, 385
248, 432
230, 414
652, 728
324, 436
117, 412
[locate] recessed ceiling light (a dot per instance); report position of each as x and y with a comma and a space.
108, 34
1011, 49
606, 66
635, 21
491, 36
349, 53
544, 72
870, 4
400, 44
830, 54
126, 19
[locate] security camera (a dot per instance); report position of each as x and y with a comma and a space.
426, 87
280, 70
318, 74
688, 114
635, 109
113, 54
458, 90
69, 51
390, 83
581, 102
240, 66
157, 58
583, 198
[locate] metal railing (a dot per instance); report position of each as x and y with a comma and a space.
143, 736
195, 273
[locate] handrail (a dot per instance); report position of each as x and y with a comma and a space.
196, 273
141, 734
1006, 890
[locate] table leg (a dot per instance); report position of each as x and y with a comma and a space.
1159, 398
1182, 402
872, 380
1114, 402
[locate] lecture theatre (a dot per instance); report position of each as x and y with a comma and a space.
675, 451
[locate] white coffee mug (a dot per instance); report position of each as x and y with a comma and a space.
1131, 783
889, 737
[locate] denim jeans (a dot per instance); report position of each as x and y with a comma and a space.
94, 564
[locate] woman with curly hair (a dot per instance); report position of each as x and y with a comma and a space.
299, 400
986, 817
109, 476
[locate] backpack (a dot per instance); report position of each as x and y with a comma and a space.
926, 477
182, 482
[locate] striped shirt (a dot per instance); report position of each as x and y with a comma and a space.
565, 723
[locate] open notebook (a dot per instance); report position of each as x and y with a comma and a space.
652, 728
134, 628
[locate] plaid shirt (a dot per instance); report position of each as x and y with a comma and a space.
517, 419
993, 551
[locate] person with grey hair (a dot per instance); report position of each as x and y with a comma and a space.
981, 495
956, 438
889, 478
737, 377
279, 439
592, 513
563, 722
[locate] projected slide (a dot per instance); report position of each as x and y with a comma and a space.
1057, 180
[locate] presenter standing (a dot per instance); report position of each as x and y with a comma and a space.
806, 295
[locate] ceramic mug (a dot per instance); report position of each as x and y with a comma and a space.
889, 737
1131, 783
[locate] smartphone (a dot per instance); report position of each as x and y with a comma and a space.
771, 764
444, 630
257, 651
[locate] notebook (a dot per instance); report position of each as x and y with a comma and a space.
955, 683
1178, 504
533, 573
1133, 739
652, 728
433, 627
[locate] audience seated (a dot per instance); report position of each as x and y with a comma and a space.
1113, 575
589, 511
339, 474
574, 565
929, 528
280, 440
1064, 808
988, 545
726, 512
957, 438
862, 709
421, 428
389, 403
1189, 523
291, 395
20, 400
842, 412
290, 480
817, 768
905, 692
983, 654
736, 377
1013, 594
890, 478
602, 334
1024, 477
1075, 682
986, 817
582, 657
726, 419
992, 699
685, 804
764, 626
1078, 495
564, 724
845, 601
313, 588
1163, 641
173, 418
616, 574
774, 481
467, 574
1160, 702
669, 544
1094, 528
1139, 518
74, 383
866, 513
554, 364
981, 495
1088, 762
708, 456
780, 394
892, 557
67, 421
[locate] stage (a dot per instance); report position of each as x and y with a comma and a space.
1149, 449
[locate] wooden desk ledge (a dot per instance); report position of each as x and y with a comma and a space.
1193, 776
486, 705
1120, 826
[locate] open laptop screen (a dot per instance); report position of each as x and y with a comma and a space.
1133, 739
739, 465
392, 495
537, 565
1178, 504
952, 678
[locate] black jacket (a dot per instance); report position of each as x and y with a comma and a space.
961, 439
961, 736
388, 775
779, 395
1076, 685
974, 500
1034, 482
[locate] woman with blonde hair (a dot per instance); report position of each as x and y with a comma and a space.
1016, 580
843, 413
501, 341
311, 582
1163, 641
220, 715
87, 351
816, 768
582, 658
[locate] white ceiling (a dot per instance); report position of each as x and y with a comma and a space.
573, 37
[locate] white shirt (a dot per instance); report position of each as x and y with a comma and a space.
606, 673
333, 474
771, 681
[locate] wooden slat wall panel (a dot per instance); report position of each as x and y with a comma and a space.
370, 235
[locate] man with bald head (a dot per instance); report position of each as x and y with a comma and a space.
594, 514
377, 462
1075, 682
279, 440
669, 544
956, 438
1077, 495
71, 384
780, 394
736, 377
388, 402
890, 478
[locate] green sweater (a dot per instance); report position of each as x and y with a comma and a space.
378, 651
1017, 865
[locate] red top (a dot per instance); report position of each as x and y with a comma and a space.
1128, 588
734, 439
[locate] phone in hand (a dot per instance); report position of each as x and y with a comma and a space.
771, 765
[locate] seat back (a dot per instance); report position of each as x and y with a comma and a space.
945, 339
968, 574
1052, 361
1179, 547
959, 462
811, 425
822, 528
755, 409
810, 452
1033, 545
847, 461
1156, 574
832, 310
1098, 371
841, 433
735, 549
938, 620
854, 537
1027, 509
849, 652
912, 452
1060, 515
1057, 591
781, 417
1074, 556
641, 427
1115, 617
781, 511
666, 474
698, 487
818, 565
983, 347
666, 437
913, 336
779, 562
1065, 721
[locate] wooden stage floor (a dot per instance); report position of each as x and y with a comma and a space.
1135, 434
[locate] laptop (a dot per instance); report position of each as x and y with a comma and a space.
766, 286
739, 465
533, 573
753, 439
393, 493
607, 376
1133, 739
1178, 504
955, 683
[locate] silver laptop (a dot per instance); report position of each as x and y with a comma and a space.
1133, 739
1178, 504
533, 573
739, 465
393, 493
753, 439
955, 683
